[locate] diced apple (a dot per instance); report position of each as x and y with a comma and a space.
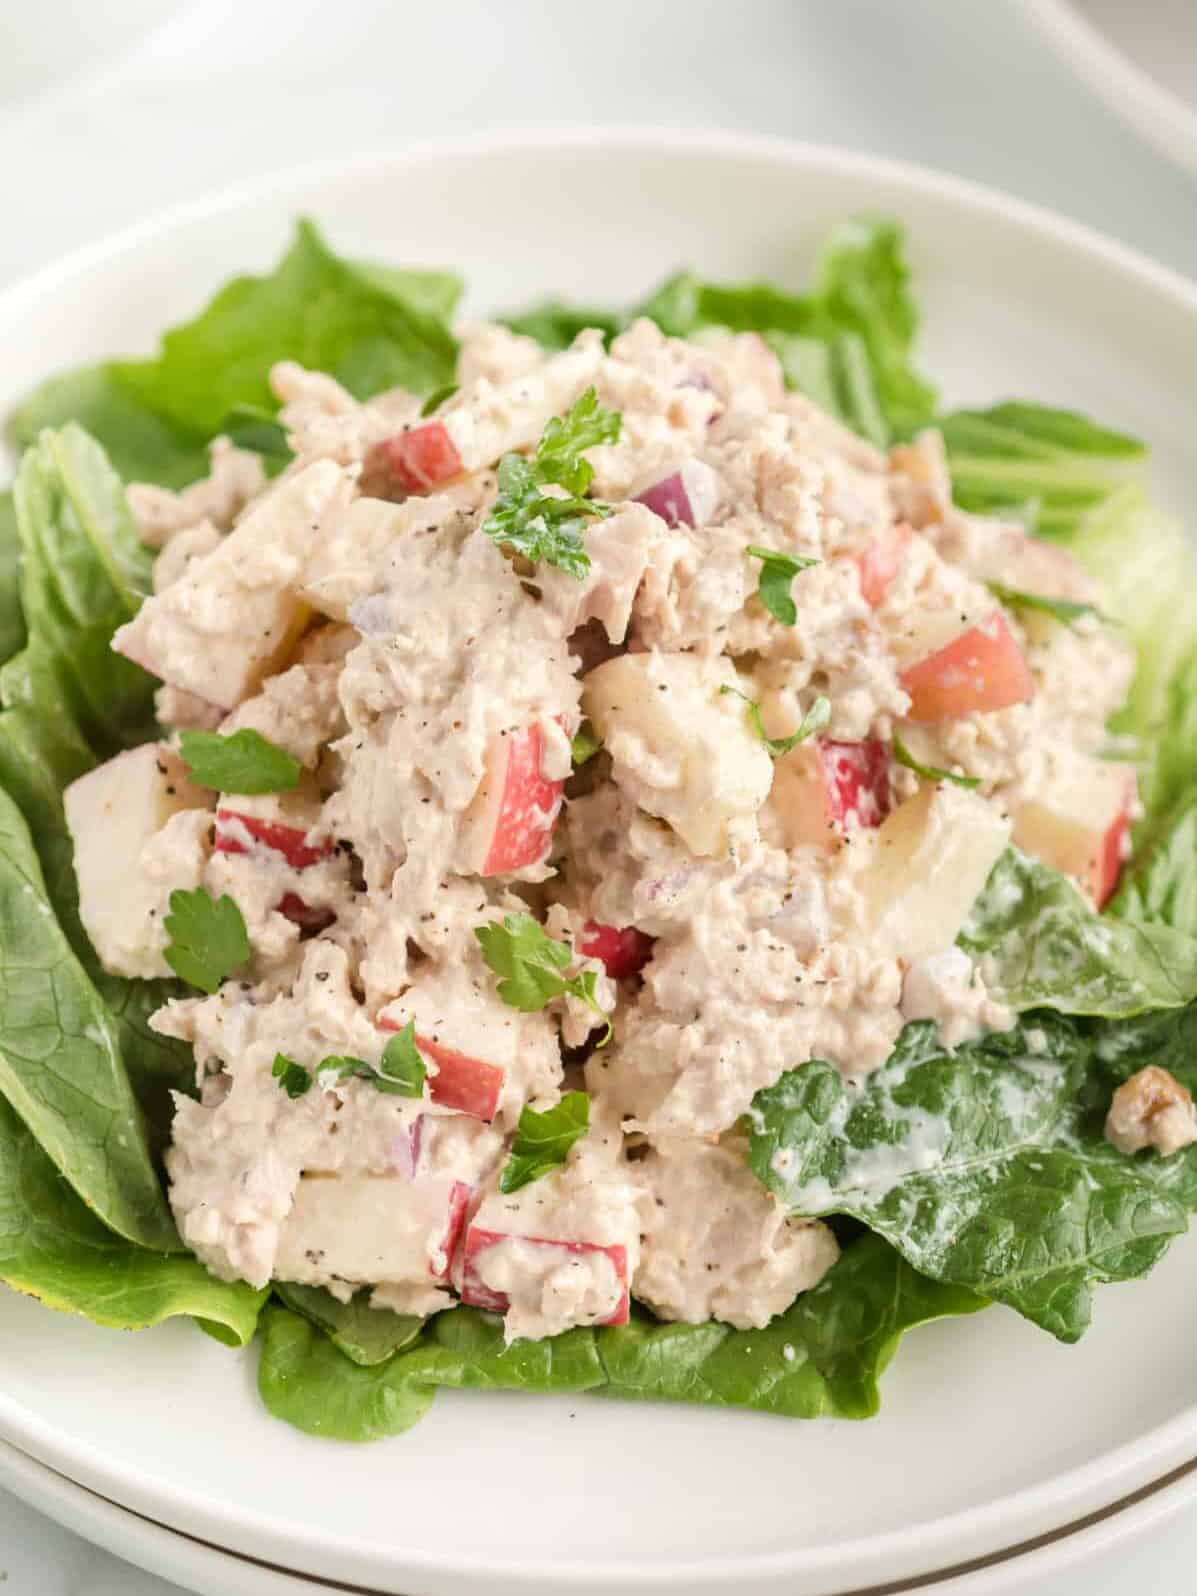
371, 1229
275, 823
680, 744
1081, 825
930, 860
345, 566
980, 670
474, 1291
623, 950
509, 823
111, 813
822, 788
879, 562
235, 615
415, 461
459, 1080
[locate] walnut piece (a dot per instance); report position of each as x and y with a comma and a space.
1152, 1109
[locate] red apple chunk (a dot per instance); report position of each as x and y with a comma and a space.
1080, 827
979, 671
822, 788
478, 1295
509, 823
238, 832
416, 461
878, 564
623, 950
469, 1085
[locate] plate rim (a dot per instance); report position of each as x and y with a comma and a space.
1154, 110
1134, 1464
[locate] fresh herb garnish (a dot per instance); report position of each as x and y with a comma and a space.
777, 572
584, 745
542, 1141
816, 717
208, 939
1064, 610
401, 1069
530, 963
544, 526
292, 1077
243, 762
438, 397
930, 772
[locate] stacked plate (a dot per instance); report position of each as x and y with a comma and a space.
993, 1436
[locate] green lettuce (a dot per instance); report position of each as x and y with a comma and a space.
848, 343
822, 1357
371, 327
364, 1334
986, 1168
1041, 945
55, 1248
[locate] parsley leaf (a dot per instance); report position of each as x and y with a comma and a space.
530, 965
1064, 610
930, 772
208, 939
816, 717
401, 1069
438, 397
542, 1141
543, 526
243, 762
292, 1077
777, 572
584, 745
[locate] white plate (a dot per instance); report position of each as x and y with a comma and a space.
1139, 55
992, 1433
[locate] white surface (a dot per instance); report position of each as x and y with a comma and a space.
1012, 303
1141, 58
228, 89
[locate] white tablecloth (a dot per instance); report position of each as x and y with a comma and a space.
101, 125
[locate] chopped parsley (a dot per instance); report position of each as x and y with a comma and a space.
292, 1077
208, 939
584, 745
1063, 610
930, 772
530, 965
543, 1141
400, 1071
777, 572
816, 717
548, 526
243, 762
438, 397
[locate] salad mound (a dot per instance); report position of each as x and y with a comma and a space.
619, 850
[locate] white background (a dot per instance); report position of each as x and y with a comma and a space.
111, 109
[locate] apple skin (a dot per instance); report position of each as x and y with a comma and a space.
1080, 828
821, 786
477, 1295
289, 842
978, 672
469, 1085
623, 951
878, 564
509, 823
415, 461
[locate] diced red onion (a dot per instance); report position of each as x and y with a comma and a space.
686, 497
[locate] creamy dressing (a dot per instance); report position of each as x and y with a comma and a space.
430, 683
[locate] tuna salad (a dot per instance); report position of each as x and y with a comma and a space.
630, 825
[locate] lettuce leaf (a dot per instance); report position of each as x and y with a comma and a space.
986, 1168
364, 1334
848, 344
370, 326
61, 1061
12, 618
823, 1356
1159, 886
1041, 945
54, 1248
